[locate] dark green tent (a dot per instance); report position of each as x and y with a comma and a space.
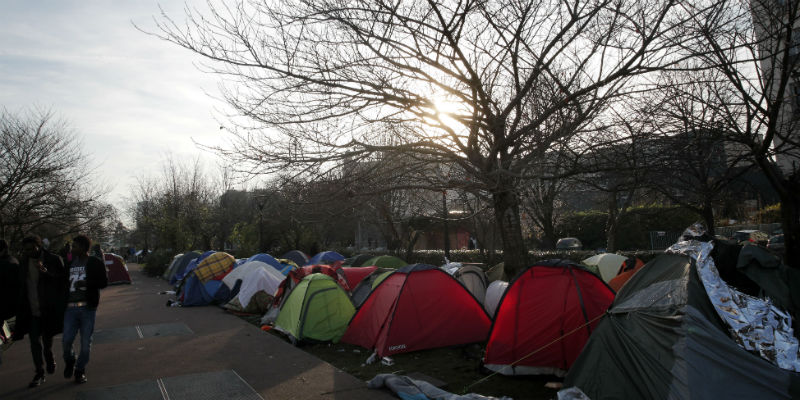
663, 339
385, 261
357, 261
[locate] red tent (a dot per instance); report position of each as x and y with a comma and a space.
354, 275
116, 269
417, 307
539, 324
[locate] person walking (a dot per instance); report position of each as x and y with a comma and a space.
40, 305
9, 271
87, 275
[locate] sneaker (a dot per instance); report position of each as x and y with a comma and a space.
38, 379
51, 368
69, 368
80, 377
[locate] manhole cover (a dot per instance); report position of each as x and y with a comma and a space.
211, 386
208, 385
114, 335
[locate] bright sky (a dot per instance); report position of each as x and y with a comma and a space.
131, 96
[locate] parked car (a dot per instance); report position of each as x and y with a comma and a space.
751, 236
569, 243
776, 243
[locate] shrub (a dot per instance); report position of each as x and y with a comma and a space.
157, 262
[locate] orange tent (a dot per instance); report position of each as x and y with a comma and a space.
628, 268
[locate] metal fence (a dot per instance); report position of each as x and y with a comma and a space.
660, 240
728, 231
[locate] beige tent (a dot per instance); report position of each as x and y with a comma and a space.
607, 263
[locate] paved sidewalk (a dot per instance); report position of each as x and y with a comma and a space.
144, 350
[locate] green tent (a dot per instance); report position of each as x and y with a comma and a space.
317, 309
385, 262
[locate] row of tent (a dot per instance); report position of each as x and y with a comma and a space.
393, 310
659, 337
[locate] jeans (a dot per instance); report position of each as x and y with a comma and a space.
41, 344
78, 319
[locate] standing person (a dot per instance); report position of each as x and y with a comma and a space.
87, 275
40, 307
9, 271
66, 253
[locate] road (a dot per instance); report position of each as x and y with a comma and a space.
145, 350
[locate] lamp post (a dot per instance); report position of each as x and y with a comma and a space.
260, 202
446, 227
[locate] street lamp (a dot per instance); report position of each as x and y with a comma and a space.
446, 227
261, 201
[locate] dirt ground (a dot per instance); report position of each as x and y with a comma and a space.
457, 367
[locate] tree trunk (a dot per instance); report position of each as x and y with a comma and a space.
708, 218
611, 222
506, 211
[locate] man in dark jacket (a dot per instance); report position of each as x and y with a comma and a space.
87, 275
40, 311
9, 273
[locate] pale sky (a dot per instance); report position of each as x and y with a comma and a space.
132, 97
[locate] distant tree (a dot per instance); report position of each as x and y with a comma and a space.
696, 162
46, 179
487, 86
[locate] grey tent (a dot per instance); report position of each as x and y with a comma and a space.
662, 338
179, 264
172, 266
474, 279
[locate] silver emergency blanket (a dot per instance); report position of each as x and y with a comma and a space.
755, 324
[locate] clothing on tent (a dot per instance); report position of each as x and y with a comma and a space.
215, 265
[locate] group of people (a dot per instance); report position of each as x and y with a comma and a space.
50, 294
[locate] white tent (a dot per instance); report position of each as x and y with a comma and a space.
494, 293
607, 263
241, 271
260, 279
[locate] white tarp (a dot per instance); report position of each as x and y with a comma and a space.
266, 279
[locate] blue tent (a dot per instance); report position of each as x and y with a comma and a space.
325, 257
201, 294
266, 259
297, 256
180, 274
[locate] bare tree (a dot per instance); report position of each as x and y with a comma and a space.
753, 45
696, 162
45, 177
478, 84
